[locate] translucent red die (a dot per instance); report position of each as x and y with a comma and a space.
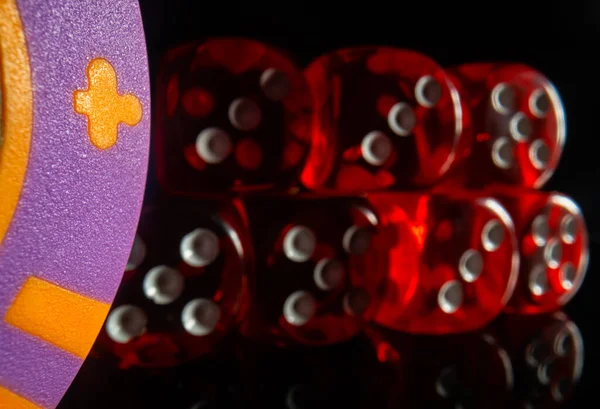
232, 114
383, 117
547, 356
183, 285
311, 283
553, 245
451, 261
515, 121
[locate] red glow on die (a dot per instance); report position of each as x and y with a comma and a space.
197, 102
383, 117
232, 115
519, 123
451, 261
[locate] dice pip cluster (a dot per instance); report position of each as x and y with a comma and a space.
373, 186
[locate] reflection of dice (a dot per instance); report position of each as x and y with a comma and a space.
90, 388
515, 120
183, 286
233, 115
299, 378
383, 117
310, 283
205, 384
553, 247
547, 357
452, 371
451, 260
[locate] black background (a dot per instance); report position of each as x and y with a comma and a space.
561, 39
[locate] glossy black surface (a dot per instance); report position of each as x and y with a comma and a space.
561, 39
515, 362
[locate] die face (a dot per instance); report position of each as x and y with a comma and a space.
310, 283
553, 245
183, 288
383, 117
451, 261
547, 353
232, 115
516, 122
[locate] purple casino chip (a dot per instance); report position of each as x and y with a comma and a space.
75, 103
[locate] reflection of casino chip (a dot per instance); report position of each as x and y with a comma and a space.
74, 128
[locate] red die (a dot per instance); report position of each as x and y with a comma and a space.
515, 122
383, 117
183, 285
232, 115
547, 357
310, 284
553, 244
451, 261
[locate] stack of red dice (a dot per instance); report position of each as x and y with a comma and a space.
372, 187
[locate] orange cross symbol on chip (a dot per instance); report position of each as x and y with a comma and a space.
104, 106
